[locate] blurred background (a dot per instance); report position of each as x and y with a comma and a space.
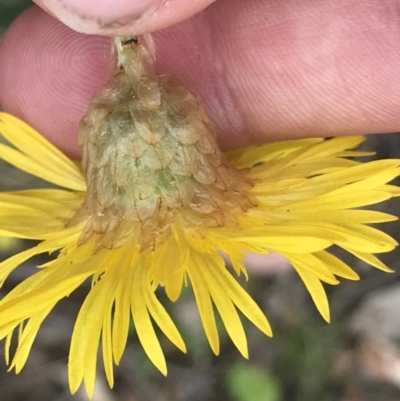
355, 358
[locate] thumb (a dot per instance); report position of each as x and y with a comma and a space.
121, 17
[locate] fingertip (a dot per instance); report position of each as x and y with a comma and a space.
134, 17
65, 70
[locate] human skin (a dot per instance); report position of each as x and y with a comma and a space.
116, 18
265, 69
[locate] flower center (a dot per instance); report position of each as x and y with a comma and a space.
149, 154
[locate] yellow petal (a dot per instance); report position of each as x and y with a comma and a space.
37, 156
281, 167
169, 261
26, 339
144, 327
86, 335
7, 346
337, 217
341, 201
296, 239
336, 266
313, 265
251, 155
40, 291
161, 317
370, 259
241, 299
224, 304
69, 199
29, 224
334, 146
316, 290
17, 310
8, 265
123, 294
12, 202
371, 175
203, 301
107, 346
358, 237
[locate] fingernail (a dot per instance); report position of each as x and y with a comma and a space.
100, 16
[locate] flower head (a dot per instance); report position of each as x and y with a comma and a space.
154, 205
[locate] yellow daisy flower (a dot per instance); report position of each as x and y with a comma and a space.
156, 204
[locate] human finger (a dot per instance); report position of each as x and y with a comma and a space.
308, 75
121, 17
